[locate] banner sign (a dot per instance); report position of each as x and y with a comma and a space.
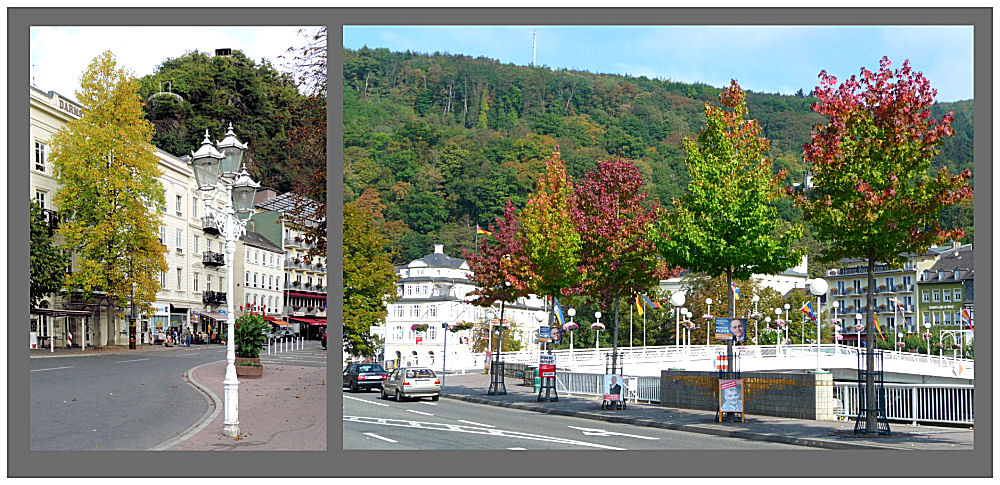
734, 329
420, 340
544, 334
547, 365
731, 395
613, 387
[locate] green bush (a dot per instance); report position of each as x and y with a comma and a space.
249, 338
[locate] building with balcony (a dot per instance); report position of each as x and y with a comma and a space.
304, 278
435, 290
261, 264
942, 288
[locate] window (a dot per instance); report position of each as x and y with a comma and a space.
196, 282
907, 280
195, 244
890, 282
936, 296
947, 296
309, 280
40, 198
208, 283
247, 282
414, 311
272, 260
256, 257
432, 334
180, 238
434, 311
841, 286
925, 296
163, 235
409, 290
927, 275
926, 317
194, 206
220, 248
178, 204
39, 156
947, 318
319, 283
163, 280
958, 294
425, 290
270, 281
248, 256
247, 299
180, 279
399, 311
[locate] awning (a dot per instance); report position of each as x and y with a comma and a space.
61, 313
306, 295
177, 309
310, 321
276, 321
215, 316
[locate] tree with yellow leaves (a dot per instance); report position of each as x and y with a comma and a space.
110, 200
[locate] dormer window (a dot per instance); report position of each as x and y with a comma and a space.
941, 275
927, 275
958, 274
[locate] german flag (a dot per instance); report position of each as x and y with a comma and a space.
480, 230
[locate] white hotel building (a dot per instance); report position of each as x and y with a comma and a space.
434, 290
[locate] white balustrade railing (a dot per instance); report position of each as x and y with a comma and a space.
914, 403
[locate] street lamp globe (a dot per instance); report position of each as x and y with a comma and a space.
677, 298
708, 301
244, 191
232, 151
755, 298
597, 314
571, 312
777, 311
787, 307
818, 287
767, 320
205, 163
539, 316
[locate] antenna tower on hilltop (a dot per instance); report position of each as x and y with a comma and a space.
533, 48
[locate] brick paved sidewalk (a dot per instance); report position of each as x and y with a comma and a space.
283, 410
821, 434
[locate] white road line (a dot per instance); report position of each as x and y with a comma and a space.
51, 368
367, 401
192, 353
383, 438
419, 412
473, 430
134, 360
429, 403
601, 432
517, 448
476, 424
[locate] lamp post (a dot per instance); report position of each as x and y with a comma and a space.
213, 167
572, 313
819, 287
684, 339
444, 358
677, 300
927, 337
708, 301
787, 307
899, 335
597, 340
781, 331
755, 299
857, 327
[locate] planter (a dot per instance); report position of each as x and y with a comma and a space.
248, 372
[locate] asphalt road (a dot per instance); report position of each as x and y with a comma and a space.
371, 423
130, 401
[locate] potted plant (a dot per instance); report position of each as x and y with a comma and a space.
248, 341
419, 327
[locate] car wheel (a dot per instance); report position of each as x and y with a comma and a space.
436, 397
399, 397
384, 395
354, 386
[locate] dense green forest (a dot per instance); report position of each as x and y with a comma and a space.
445, 140
262, 103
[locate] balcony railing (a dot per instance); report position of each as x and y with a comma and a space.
213, 298
210, 226
290, 241
212, 258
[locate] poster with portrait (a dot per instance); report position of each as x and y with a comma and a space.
734, 329
556, 333
613, 387
731, 395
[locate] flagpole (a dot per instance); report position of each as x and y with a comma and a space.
644, 328
630, 326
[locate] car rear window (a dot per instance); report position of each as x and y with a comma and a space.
419, 373
370, 368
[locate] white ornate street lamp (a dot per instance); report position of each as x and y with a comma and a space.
597, 326
819, 287
677, 300
708, 301
572, 326
208, 164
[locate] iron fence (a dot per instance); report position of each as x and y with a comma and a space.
914, 403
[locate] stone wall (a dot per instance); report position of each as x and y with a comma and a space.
803, 396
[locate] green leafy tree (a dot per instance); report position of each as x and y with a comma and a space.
110, 200
725, 223
551, 242
369, 280
873, 195
48, 262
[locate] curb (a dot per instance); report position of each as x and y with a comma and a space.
810, 442
213, 411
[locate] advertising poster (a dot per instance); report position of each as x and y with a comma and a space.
613, 387
731, 395
544, 334
734, 329
547, 365
556, 333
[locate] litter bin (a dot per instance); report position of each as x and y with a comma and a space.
538, 381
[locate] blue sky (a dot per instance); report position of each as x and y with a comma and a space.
772, 59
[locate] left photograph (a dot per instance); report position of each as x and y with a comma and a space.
178, 259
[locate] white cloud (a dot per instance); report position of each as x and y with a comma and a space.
59, 55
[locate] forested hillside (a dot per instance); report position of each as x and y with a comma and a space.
445, 140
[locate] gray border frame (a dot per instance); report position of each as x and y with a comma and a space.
22, 462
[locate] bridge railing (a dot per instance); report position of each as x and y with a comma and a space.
914, 403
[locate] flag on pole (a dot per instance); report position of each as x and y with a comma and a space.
808, 310
736, 291
480, 230
968, 318
651, 303
878, 327
638, 304
559, 313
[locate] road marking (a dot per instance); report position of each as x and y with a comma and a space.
473, 430
476, 424
383, 438
601, 432
192, 353
517, 448
134, 360
429, 403
367, 401
419, 412
51, 368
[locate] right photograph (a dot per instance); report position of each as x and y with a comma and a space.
658, 237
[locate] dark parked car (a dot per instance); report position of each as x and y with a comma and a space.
364, 376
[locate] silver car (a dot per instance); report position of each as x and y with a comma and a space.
412, 382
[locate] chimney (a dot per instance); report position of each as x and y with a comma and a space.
439, 249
